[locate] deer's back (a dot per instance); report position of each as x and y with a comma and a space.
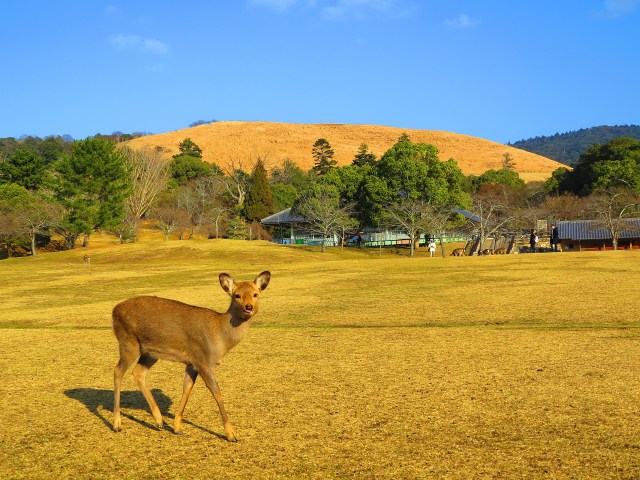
166, 328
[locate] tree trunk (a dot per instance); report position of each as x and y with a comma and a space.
33, 244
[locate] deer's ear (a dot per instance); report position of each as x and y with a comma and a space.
226, 281
262, 280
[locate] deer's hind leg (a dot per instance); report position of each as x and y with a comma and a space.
129, 351
190, 376
145, 362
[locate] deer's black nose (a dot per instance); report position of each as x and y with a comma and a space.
248, 308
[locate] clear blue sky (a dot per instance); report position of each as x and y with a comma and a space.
497, 69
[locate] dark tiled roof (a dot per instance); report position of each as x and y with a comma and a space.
282, 217
591, 230
467, 214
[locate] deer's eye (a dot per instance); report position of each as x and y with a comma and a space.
255, 295
236, 295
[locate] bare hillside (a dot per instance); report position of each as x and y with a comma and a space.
244, 142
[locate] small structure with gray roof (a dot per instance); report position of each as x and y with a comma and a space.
580, 235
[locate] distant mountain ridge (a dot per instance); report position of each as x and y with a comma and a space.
567, 147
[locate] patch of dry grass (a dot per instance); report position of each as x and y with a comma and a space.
522, 366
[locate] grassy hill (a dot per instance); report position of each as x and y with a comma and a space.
226, 142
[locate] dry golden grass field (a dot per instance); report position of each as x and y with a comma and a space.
358, 366
223, 142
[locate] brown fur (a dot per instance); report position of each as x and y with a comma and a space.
458, 252
487, 251
152, 328
87, 260
500, 251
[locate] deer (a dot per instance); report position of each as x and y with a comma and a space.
87, 260
150, 328
458, 252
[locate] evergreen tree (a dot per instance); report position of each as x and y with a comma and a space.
323, 157
285, 195
364, 157
188, 147
567, 147
184, 168
503, 176
508, 163
188, 165
25, 168
259, 201
604, 166
92, 187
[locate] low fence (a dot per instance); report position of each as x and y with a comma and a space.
369, 240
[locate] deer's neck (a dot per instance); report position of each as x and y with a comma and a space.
235, 328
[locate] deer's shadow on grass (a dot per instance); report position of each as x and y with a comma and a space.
97, 401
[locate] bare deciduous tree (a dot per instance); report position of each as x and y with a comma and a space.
209, 192
409, 216
168, 216
612, 209
323, 213
127, 229
437, 220
37, 218
238, 166
237, 182
10, 230
564, 207
494, 209
149, 173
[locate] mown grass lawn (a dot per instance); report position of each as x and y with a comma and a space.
359, 365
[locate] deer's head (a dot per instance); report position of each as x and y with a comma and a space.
244, 295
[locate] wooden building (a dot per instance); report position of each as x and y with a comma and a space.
584, 235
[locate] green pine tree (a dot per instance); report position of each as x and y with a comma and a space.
188, 147
92, 186
364, 157
25, 168
323, 157
259, 201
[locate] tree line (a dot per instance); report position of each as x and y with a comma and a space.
68, 190
567, 147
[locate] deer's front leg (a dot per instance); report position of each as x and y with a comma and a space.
212, 385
